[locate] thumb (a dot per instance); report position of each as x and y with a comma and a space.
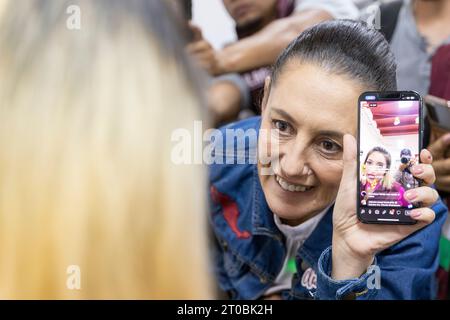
438, 147
349, 161
345, 205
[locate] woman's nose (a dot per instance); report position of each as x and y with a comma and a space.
293, 163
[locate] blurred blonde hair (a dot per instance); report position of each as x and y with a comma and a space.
86, 177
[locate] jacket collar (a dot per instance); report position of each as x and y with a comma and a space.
262, 216
320, 239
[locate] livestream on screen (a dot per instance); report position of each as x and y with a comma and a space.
389, 147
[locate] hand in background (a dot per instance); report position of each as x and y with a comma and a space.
203, 52
441, 163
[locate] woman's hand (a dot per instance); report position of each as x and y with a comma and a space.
355, 243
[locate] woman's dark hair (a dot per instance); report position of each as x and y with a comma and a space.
344, 47
384, 152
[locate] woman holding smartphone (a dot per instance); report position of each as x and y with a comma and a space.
294, 234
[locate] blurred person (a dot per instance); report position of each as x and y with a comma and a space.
294, 234
416, 30
440, 148
419, 32
439, 138
377, 179
86, 177
263, 29
440, 73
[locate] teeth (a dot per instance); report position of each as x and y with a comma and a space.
291, 187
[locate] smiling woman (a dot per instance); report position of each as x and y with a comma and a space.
300, 221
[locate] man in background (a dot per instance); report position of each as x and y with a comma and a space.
263, 28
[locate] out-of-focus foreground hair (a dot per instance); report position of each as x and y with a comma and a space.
86, 177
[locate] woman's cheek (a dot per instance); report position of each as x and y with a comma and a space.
329, 173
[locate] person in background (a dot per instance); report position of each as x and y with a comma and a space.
403, 174
419, 33
87, 183
416, 30
440, 148
263, 28
440, 87
440, 73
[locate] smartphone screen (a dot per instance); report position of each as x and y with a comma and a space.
389, 143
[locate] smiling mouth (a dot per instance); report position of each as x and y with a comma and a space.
291, 187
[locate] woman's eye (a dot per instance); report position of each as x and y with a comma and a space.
330, 146
280, 125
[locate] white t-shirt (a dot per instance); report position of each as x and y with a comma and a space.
295, 237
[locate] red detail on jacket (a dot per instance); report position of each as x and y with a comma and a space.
230, 212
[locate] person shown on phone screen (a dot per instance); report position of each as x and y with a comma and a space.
377, 182
403, 175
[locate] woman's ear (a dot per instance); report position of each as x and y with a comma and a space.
266, 94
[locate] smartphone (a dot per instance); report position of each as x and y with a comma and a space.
438, 112
390, 132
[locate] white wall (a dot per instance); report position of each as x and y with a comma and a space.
213, 19
370, 136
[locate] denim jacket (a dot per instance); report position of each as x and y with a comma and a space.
250, 250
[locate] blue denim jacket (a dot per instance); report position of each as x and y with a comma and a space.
250, 250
